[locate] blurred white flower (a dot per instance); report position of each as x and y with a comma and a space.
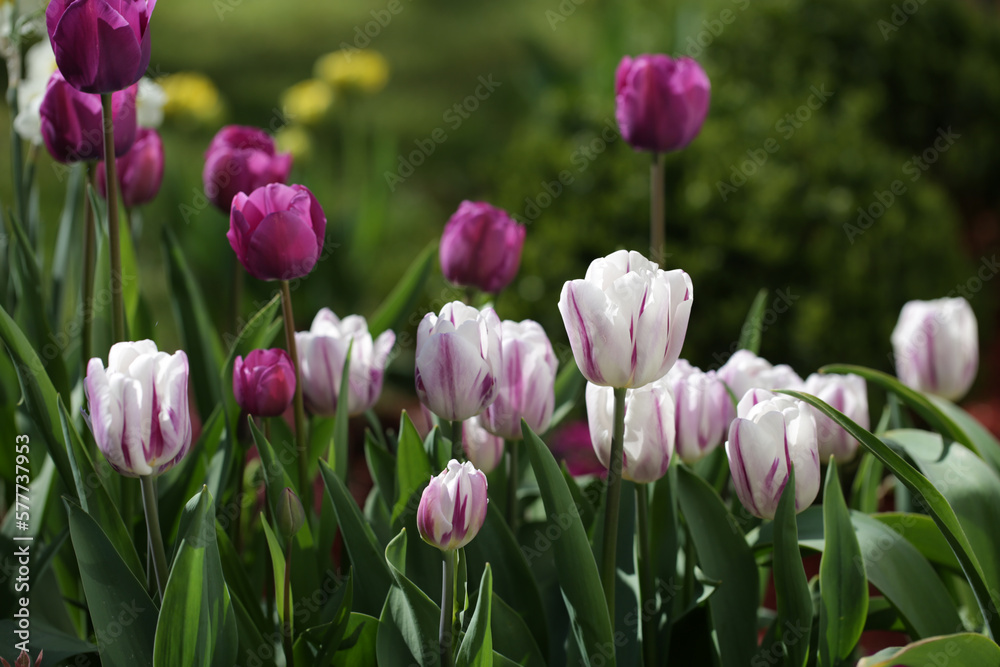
40, 63
149, 102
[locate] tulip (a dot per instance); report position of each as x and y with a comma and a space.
322, 352
264, 383
627, 319
24, 660
140, 171
660, 103
745, 371
72, 125
150, 99
349, 70
101, 46
572, 445
241, 159
40, 63
848, 394
139, 408
481, 247
527, 381
936, 346
703, 410
289, 514
483, 449
277, 231
453, 507
458, 361
649, 429
764, 441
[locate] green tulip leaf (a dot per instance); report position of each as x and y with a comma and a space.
958, 650
753, 327
476, 649
413, 467
403, 298
357, 649
795, 608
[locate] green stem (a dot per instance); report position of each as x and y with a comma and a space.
447, 608
647, 602
111, 173
657, 208
300, 412
237, 295
155, 536
89, 262
455, 434
286, 634
512, 485
612, 502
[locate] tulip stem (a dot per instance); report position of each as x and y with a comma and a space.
657, 210
286, 630
447, 607
155, 536
89, 261
612, 501
512, 484
300, 412
647, 602
114, 239
457, 451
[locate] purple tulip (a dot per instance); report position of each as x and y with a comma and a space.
848, 394
764, 441
627, 319
277, 231
527, 381
458, 361
140, 171
483, 449
660, 103
745, 371
264, 383
72, 124
703, 410
322, 352
453, 507
481, 247
101, 46
139, 408
572, 444
936, 347
241, 159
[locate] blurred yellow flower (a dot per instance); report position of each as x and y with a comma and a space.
307, 101
296, 140
354, 69
192, 95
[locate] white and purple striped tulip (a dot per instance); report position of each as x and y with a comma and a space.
649, 429
453, 507
139, 410
458, 361
764, 440
527, 381
703, 410
627, 319
745, 371
848, 394
936, 346
322, 351
483, 449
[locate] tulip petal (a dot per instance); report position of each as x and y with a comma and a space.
282, 247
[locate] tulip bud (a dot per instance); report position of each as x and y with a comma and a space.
936, 346
277, 231
140, 170
289, 514
764, 440
483, 449
848, 394
527, 381
481, 247
660, 103
322, 352
572, 445
241, 159
139, 408
24, 660
73, 125
101, 46
649, 429
703, 410
264, 383
453, 507
627, 319
745, 371
458, 360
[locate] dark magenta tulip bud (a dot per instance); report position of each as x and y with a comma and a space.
241, 159
140, 171
481, 247
277, 231
660, 103
264, 382
101, 45
72, 125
